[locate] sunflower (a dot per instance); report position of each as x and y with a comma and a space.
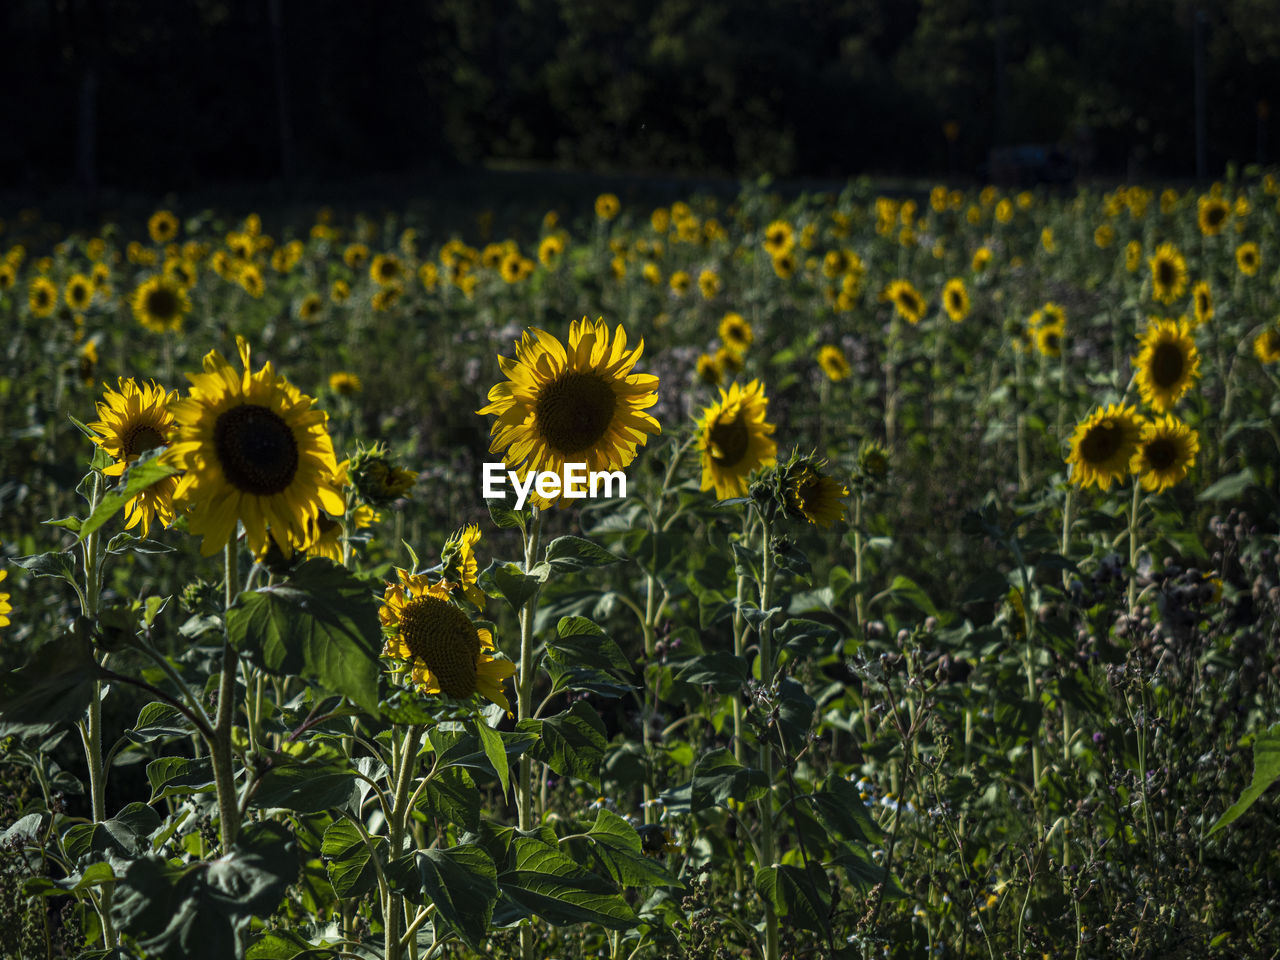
680, 282
8, 276
580, 405
981, 259
1048, 339
813, 496
955, 298
131, 421
1168, 273
159, 304
340, 292
1104, 236
255, 451
181, 272
729, 361
1103, 444
550, 250
1167, 363
779, 238
607, 206
1266, 345
386, 269
784, 265
708, 284
833, 363
386, 298
1212, 214
1203, 300
905, 299
163, 227
734, 439
355, 255
250, 279
6, 608
1132, 256
78, 292
309, 307
345, 383
736, 333
1166, 451
436, 646
1248, 258
429, 276
42, 297
709, 370
651, 273
459, 567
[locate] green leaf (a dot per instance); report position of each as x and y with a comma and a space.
912, 592
54, 687
351, 869
72, 523
719, 777
124, 834
723, 671
1229, 487
575, 553
307, 788
802, 896
142, 473
1266, 770
572, 743
844, 812
451, 796
321, 625
505, 516
461, 881
59, 564
128, 543
158, 721
493, 749
177, 776
556, 888
581, 643
618, 847
285, 945
509, 581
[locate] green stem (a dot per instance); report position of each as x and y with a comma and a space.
1133, 546
393, 906
524, 698
767, 855
220, 748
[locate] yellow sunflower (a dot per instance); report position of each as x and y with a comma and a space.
580, 405
8, 276
309, 307
708, 284
955, 298
340, 292
1166, 451
736, 333
42, 297
607, 206
784, 265
1048, 338
734, 439
5, 607
729, 361
1103, 445
1266, 345
981, 259
709, 370
355, 256
163, 226
255, 451
1248, 258
459, 566
813, 496
159, 304
779, 238
832, 361
680, 282
550, 250
905, 299
1168, 273
131, 421
1132, 256
1203, 300
78, 292
1167, 363
1212, 215
435, 645
386, 269
345, 383
250, 279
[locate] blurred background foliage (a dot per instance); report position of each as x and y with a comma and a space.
175, 95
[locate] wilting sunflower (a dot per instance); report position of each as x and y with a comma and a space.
1103, 444
1168, 273
812, 495
955, 299
42, 297
1248, 258
435, 646
78, 292
905, 299
1167, 363
163, 227
1203, 300
736, 333
779, 238
1166, 451
580, 405
1266, 345
254, 450
1212, 215
345, 383
5, 607
159, 304
459, 567
833, 363
131, 421
734, 439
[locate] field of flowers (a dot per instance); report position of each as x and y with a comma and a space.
938, 615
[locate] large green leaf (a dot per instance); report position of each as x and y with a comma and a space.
1266, 770
509, 581
802, 896
494, 750
579, 642
571, 743
176, 776
53, 688
618, 848
462, 883
719, 777
144, 472
556, 888
451, 796
124, 834
844, 812
321, 624
307, 788
350, 858
575, 553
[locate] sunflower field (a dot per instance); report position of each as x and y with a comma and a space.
841, 576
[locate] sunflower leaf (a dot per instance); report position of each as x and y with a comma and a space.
461, 881
145, 471
54, 687
321, 624
576, 553
508, 581
497, 754
1266, 770
572, 743
557, 888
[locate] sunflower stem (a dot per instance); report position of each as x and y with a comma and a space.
220, 747
1133, 546
393, 906
524, 700
766, 750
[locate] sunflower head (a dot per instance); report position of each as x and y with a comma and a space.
1103, 445
133, 420
254, 451
576, 404
1168, 273
832, 362
1048, 339
1266, 345
873, 463
79, 292
811, 495
163, 226
955, 298
734, 439
736, 333
906, 300
981, 259
709, 370
435, 647
1248, 258
159, 304
458, 563
607, 206
1167, 363
378, 479
309, 307
1166, 450
345, 383
5, 607
779, 238
1212, 215
1202, 298
42, 297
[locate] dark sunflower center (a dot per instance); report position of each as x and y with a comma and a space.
1202, 303
1248, 257
441, 636
1166, 273
1101, 443
161, 303
1215, 215
574, 411
256, 449
909, 303
1161, 453
141, 438
728, 441
954, 299
79, 293
1167, 364
1052, 342
42, 297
